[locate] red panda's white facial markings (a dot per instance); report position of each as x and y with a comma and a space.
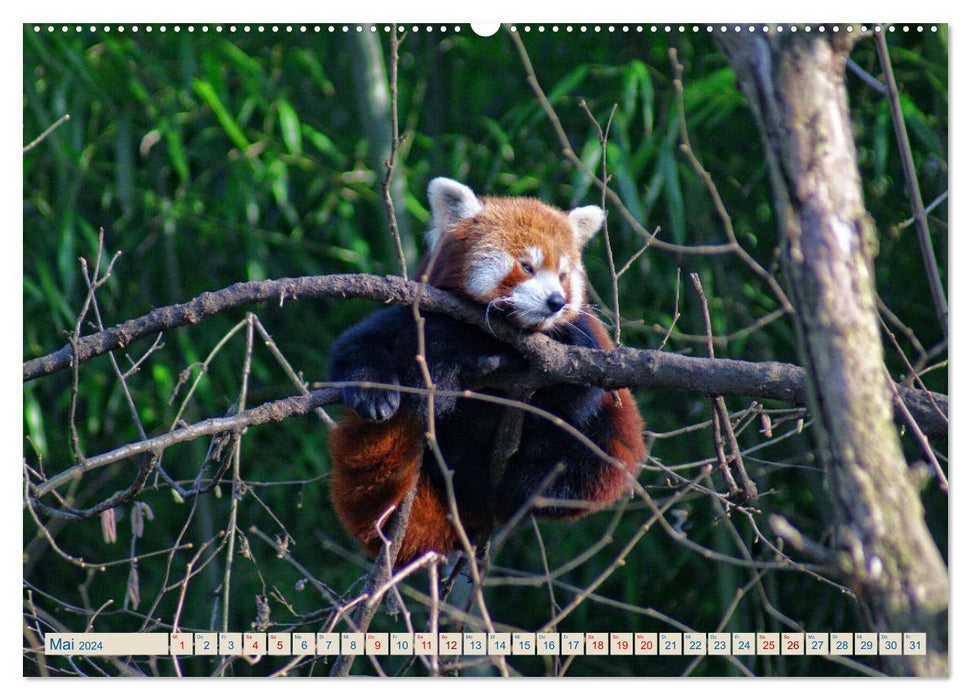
533, 259
516, 254
487, 269
539, 301
536, 297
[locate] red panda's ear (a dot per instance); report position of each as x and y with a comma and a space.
450, 201
585, 221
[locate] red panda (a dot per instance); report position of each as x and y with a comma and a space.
520, 258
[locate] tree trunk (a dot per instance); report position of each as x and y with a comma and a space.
795, 87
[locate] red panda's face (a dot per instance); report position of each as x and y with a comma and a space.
540, 285
514, 254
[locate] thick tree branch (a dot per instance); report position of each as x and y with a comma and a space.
551, 361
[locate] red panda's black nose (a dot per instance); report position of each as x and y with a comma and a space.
555, 302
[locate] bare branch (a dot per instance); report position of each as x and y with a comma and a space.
913, 188
552, 361
47, 132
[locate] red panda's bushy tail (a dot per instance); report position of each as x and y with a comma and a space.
374, 466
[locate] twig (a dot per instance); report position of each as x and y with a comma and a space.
676, 316
380, 575
602, 137
93, 282
386, 289
381, 572
237, 484
722, 424
288, 369
392, 157
146, 464
657, 516
930, 207
866, 77
577, 162
786, 530
716, 199
272, 412
640, 251
918, 433
325, 592
913, 188
911, 370
725, 340
47, 132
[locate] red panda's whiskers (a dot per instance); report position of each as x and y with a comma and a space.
584, 312
498, 302
579, 330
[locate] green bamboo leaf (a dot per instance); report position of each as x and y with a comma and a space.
246, 64
667, 163
310, 62
207, 92
59, 306
173, 141
568, 83
139, 91
323, 143
34, 417
628, 90
647, 99
619, 166
590, 155
919, 128
279, 182
290, 127
564, 87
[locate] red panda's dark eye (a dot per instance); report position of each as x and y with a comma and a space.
527, 268
562, 277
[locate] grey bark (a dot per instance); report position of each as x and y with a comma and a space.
795, 87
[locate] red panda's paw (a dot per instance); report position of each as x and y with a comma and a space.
375, 405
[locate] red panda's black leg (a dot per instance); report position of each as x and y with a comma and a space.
458, 357
587, 482
609, 419
365, 353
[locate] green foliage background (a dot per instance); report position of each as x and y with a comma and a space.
210, 158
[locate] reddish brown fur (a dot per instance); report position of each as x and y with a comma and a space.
626, 444
441, 267
512, 226
374, 464
512, 223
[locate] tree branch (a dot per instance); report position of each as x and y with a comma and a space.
913, 188
551, 362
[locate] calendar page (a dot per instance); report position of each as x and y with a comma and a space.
594, 348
